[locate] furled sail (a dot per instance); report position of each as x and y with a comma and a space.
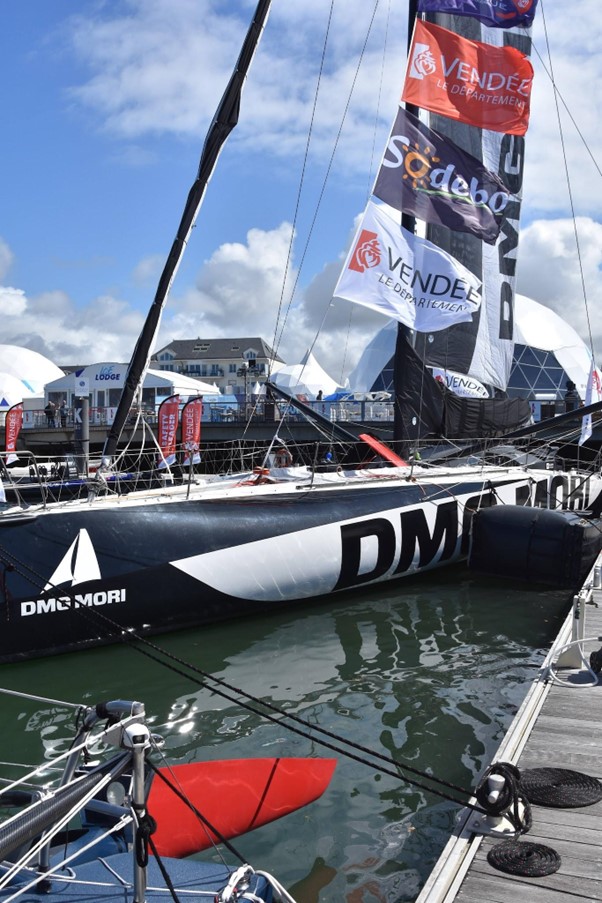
484, 347
461, 176
225, 119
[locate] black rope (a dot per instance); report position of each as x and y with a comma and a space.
520, 857
509, 799
146, 825
205, 821
560, 788
163, 870
135, 641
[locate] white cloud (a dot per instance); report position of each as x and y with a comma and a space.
551, 271
6, 258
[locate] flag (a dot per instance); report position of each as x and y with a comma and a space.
12, 428
479, 84
460, 383
427, 175
394, 272
191, 430
494, 13
168, 429
593, 393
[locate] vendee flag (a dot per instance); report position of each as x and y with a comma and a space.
479, 84
12, 428
494, 13
428, 176
394, 272
191, 430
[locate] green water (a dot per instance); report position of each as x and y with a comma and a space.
430, 671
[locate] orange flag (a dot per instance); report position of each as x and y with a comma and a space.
479, 84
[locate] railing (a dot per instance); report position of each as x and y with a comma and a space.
340, 411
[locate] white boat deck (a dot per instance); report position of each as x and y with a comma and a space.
557, 726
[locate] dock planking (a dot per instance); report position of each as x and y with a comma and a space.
558, 726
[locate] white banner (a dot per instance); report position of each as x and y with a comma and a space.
593, 393
394, 272
460, 383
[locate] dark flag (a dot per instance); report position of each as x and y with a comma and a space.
430, 177
495, 13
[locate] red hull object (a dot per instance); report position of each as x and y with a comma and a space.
233, 795
383, 450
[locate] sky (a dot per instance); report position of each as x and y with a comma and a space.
105, 107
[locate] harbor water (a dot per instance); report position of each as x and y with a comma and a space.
429, 671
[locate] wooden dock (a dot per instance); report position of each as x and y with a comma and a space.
559, 725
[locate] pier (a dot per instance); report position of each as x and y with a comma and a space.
557, 726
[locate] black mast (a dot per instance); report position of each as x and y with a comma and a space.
400, 372
225, 119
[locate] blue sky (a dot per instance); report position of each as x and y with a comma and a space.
105, 108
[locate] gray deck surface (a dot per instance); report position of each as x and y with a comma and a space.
565, 732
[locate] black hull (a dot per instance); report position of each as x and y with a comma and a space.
81, 575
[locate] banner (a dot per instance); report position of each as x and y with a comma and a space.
168, 429
494, 13
593, 393
394, 272
460, 383
12, 428
428, 176
191, 430
479, 84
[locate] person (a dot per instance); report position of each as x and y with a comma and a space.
319, 395
49, 410
571, 396
63, 413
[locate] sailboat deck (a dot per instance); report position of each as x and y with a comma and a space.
556, 727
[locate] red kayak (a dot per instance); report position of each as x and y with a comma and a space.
234, 796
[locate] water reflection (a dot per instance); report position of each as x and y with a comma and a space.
430, 672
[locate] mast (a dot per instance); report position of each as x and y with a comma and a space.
400, 375
225, 119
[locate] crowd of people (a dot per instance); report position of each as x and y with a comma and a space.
54, 414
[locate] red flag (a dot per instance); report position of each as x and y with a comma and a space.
168, 429
12, 428
482, 85
191, 429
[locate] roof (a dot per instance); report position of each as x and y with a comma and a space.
216, 349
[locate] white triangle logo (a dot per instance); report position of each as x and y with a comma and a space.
78, 564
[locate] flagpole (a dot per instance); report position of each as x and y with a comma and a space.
401, 434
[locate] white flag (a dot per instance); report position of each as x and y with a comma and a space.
593, 393
398, 274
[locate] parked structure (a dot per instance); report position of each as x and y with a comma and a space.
234, 365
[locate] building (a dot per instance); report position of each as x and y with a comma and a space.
234, 365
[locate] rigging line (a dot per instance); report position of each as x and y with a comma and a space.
268, 705
332, 156
568, 183
277, 339
380, 93
133, 640
69, 705
567, 110
308, 736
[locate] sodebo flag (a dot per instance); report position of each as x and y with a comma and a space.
479, 84
394, 272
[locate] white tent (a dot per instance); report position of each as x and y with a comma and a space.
535, 326
539, 327
23, 374
306, 378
